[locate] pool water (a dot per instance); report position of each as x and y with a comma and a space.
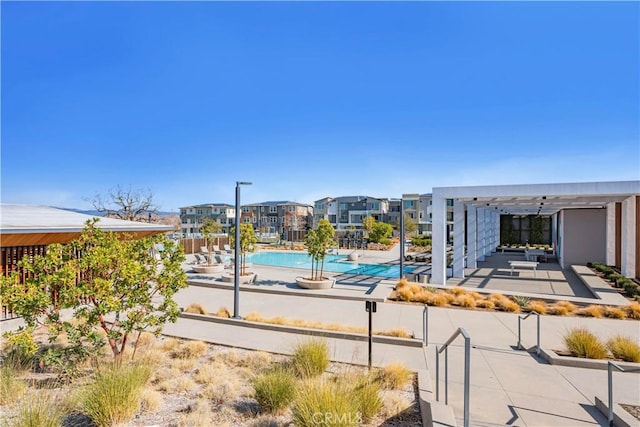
332, 263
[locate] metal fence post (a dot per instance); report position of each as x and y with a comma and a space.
438, 373
538, 344
610, 380
519, 333
467, 374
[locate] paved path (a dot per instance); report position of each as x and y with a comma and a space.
508, 386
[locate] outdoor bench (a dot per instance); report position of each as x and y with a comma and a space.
523, 264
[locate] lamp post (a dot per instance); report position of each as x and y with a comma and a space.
236, 258
401, 238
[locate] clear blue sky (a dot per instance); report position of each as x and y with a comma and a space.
313, 99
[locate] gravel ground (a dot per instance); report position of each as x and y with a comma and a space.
183, 392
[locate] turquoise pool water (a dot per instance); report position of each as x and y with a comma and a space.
333, 263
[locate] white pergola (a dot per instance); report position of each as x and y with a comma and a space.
485, 204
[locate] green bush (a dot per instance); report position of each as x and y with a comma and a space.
326, 403
582, 343
631, 289
311, 358
114, 397
421, 240
367, 396
624, 348
274, 390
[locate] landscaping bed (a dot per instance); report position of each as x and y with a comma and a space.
191, 383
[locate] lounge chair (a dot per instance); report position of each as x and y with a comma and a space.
199, 259
219, 260
228, 249
204, 250
216, 249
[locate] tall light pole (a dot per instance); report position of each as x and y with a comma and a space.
236, 258
401, 238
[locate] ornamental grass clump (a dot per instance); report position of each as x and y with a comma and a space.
633, 310
327, 403
624, 348
311, 358
393, 376
11, 386
115, 395
464, 300
485, 303
39, 410
196, 309
562, 308
582, 343
539, 307
274, 390
615, 312
591, 311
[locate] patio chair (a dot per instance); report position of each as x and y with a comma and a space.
222, 261
204, 250
198, 258
216, 249
228, 249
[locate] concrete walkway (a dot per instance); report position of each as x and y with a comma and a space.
508, 386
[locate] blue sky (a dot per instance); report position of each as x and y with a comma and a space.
313, 99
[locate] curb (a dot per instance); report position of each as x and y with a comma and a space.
621, 418
407, 342
257, 289
552, 358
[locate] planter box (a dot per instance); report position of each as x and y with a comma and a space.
326, 283
208, 269
243, 279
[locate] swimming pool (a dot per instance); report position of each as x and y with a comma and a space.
332, 263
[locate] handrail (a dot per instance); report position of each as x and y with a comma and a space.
537, 334
425, 325
610, 366
467, 365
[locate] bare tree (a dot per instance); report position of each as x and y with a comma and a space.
128, 204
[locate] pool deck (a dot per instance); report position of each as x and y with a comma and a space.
508, 386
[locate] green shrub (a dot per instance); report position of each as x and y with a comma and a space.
582, 343
11, 387
274, 390
521, 301
631, 289
327, 403
115, 395
39, 410
311, 358
624, 348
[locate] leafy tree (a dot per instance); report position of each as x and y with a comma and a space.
109, 285
380, 232
410, 225
209, 228
367, 224
128, 204
248, 242
318, 241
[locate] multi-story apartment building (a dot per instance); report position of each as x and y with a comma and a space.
418, 208
192, 217
348, 211
288, 219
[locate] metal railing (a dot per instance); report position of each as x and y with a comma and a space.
425, 325
467, 366
520, 318
610, 367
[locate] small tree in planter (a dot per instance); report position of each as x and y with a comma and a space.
318, 242
208, 229
248, 242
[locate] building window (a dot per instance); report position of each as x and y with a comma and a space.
245, 209
449, 216
247, 219
273, 219
319, 206
449, 202
199, 212
343, 206
273, 209
409, 204
375, 206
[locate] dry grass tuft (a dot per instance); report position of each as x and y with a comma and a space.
150, 400
476, 296
170, 344
591, 311
457, 290
539, 307
562, 308
397, 332
404, 294
392, 405
394, 376
199, 415
223, 312
615, 312
633, 310
402, 283
222, 389
438, 299
506, 304
209, 373
624, 348
485, 303
464, 300
196, 309
185, 365
190, 350
178, 384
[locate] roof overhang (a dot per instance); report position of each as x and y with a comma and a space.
26, 225
541, 199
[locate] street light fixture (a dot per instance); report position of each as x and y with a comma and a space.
236, 258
